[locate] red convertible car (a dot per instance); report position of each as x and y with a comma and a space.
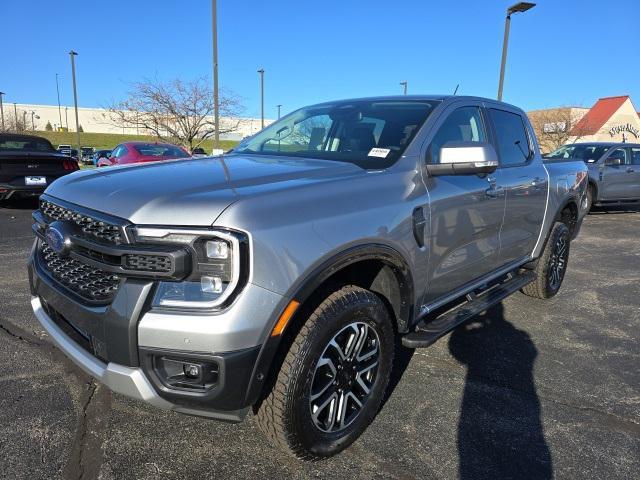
138, 152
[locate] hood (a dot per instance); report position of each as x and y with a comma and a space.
190, 192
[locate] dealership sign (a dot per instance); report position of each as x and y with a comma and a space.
625, 128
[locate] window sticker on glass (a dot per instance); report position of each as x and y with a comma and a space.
379, 152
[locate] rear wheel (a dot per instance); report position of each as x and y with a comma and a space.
552, 265
333, 378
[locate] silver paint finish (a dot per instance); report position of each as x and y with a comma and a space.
299, 213
240, 326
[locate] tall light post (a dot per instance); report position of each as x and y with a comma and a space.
216, 100
66, 117
404, 87
518, 7
33, 125
15, 115
2, 110
59, 109
279, 106
73, 54
261, 72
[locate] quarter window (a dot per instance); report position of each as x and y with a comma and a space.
463, 125
635, 156
513, 143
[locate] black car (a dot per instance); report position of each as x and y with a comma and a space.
28, 164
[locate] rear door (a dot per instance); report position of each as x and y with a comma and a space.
617, 180
635, 171
525, 180
466, 210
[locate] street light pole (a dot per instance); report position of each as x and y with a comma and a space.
404, 86
2, 110
73, 54
518, 7
15, 116
261, 72
66, 117
216, 100
33, 125
279, 105
59, 109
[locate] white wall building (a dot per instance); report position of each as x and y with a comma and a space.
97, 120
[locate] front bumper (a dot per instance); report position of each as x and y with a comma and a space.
121, 341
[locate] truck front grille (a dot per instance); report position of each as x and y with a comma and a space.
148, 263
90, 226
87, 282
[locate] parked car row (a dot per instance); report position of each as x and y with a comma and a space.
28, 163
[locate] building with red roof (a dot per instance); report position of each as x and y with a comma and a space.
610, 119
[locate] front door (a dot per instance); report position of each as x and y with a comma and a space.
617, 180
466, 210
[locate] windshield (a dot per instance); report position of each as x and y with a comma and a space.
586, 153
25, 144
371, 134
160, 150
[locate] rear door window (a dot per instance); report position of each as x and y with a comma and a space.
513, 142
635, 156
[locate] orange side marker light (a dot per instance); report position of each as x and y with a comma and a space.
285, 317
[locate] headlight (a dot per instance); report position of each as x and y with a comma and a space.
216, 270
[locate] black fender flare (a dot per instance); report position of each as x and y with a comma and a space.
302, 291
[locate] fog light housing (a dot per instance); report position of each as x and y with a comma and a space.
191, 370
186, 373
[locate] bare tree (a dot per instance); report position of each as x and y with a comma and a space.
558, 126
176, 110
13, 123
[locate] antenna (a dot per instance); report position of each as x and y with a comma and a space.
456, 90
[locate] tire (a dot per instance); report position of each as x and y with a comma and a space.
552, 265
591, 192
291, 416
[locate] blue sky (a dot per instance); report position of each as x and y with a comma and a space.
562, 52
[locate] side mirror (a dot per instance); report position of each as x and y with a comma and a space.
465, 158
613, 161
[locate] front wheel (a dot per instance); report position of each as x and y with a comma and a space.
333, 378
590, 196
552, 265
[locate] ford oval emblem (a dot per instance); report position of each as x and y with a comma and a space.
57, 240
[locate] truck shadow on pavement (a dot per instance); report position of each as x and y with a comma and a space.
500, 431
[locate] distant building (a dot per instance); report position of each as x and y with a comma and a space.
97, 120
610, 119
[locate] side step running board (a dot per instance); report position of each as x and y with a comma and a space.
427, 333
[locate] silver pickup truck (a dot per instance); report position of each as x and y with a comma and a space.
614, 170
283, 276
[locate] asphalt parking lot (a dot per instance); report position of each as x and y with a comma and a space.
531, 389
